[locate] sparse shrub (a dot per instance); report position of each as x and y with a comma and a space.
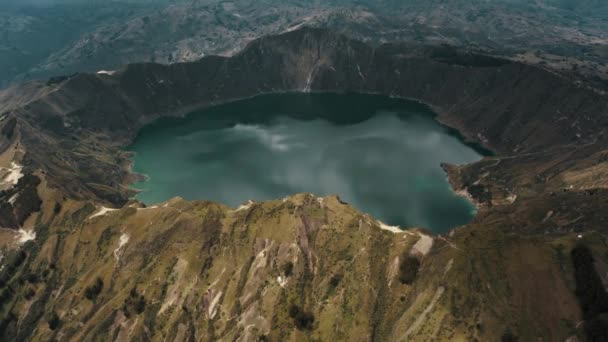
408, 269
508, 336
596, 330
302, 319
335, 280
589, 288
53, 321
293, 310
31, 278
134, 302
105, 238
29, 293
125, 310
288, 269
12, 263
140, 305
91, 292
592, 296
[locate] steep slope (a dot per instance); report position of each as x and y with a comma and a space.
82, 262
298, 268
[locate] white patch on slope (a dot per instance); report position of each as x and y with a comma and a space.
214, 305
173, 292
359, 71
13, 198
448, 267
548, 216
13, 175
217, 279
305, 21
244, 206
423, 245
393, 271
102, 211
25, 236
422, 317
309, 81
394, 229
282, 281
106, 72
146, 208
124, 238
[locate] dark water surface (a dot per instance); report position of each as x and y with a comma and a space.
381, 155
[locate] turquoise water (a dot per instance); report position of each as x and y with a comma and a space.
381, 155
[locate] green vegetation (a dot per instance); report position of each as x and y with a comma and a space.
288, 269
591, 294
508, 336
11, 265
29, 293
32, 278
91, 292
57, 208
302, 319
53, 321
134, 303
335, 280
408, 269
105, 239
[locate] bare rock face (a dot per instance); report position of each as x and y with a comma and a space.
300, 268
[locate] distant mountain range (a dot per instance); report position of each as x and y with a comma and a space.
42, 38
82, 261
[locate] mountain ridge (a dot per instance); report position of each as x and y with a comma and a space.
86, 36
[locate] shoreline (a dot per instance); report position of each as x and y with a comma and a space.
457, 189
422, 110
